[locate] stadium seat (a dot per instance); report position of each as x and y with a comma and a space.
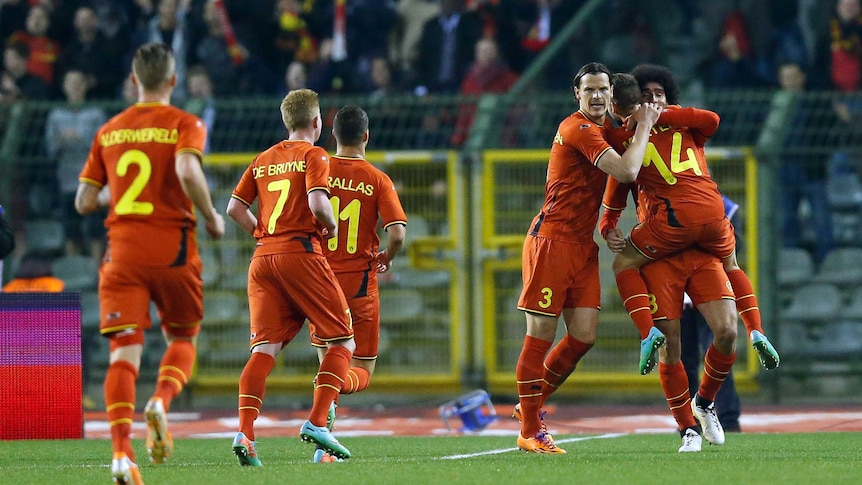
399, 305
841, 267
222, 306
795, 267
853, 309
210, 273
841, 338
844, 192
45, 236
89, 309
77, 272
814, 303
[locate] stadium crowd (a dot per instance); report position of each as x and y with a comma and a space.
249, 47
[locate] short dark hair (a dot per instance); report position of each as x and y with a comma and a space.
627, 92
589, 68
153, 65
653, 73
350, 125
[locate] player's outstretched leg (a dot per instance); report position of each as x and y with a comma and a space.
765, 351
649, 346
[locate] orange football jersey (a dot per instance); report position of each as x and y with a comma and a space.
281, 178
574, 185
359, 192
151, 220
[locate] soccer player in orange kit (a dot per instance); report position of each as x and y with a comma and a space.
147, 160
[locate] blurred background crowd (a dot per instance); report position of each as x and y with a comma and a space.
266, 47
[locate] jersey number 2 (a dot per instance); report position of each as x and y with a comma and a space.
129, 203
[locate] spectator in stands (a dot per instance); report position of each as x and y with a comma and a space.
446, 48
90, 52
295, 77
292, 40
169, 26
802, 175
200, 101
15, 82
845, 30
734, 39
44, 51
536, 22
214, 54
412, 15
488, 74
69, 133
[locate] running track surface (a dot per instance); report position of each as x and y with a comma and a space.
426, 421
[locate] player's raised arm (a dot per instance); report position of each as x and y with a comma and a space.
625, 168
703, 121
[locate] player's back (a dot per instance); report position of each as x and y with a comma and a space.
151, 219
574, 185
360, 194
675, 174
280, 178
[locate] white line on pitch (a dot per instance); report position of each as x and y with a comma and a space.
506, 450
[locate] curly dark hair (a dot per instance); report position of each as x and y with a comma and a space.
652, 73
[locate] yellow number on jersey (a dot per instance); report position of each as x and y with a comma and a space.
676, 165
283, 188
350, 213
128, 203
546, 302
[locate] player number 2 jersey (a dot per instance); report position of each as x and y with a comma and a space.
151, 220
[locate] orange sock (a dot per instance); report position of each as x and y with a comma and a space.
174, 370
120, 404
357, 380
674, 383
633, 291
746, 301
529, 376
560, 363
716, 367
252, 386
330, 380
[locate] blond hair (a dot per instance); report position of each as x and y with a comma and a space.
299, 108
153, 65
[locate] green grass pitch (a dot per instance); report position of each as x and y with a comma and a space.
803, 458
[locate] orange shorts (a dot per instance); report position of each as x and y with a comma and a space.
559, 275
285, 289
656, 239
364, 302
695, 272
125, 292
